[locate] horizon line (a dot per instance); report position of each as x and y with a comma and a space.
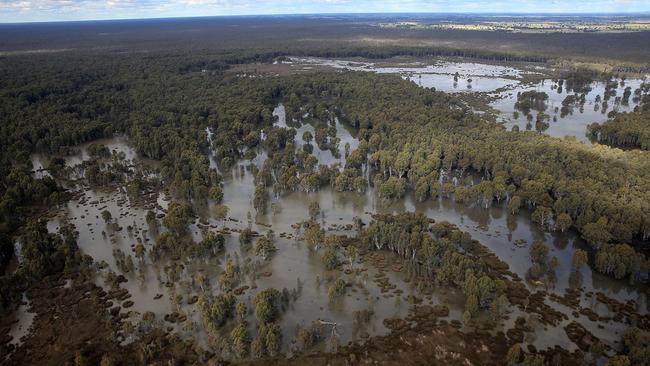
269, 15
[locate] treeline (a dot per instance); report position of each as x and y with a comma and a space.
625, 130
196, 35
219, 62
42, 254
409, 135
579, 80
393, 51
442, 254
48, 106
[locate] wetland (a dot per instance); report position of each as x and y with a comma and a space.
258, 206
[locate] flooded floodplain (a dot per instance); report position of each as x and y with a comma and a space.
169, 287
502, 84
567, 119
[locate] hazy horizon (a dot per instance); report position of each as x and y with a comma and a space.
24, 11
359, 14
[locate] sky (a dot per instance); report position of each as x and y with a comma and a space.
60, 10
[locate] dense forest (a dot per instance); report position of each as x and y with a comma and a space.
409, 137
408, 134
625, 130
628, 51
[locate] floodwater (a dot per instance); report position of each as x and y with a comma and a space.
439, 67
117, 144
325, 157
503, 83
472, 77
23, 319
297, 267
573, 122
446, 83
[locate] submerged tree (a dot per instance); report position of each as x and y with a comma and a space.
314, 210
240, 340
268, 340
260, 201
563, 221
579, 259
264, 247
337, 288
619, 260
540, 260
351, 252
216, 194
267, 305
106, 215
329, 258
217, 310
220, 212
178, 217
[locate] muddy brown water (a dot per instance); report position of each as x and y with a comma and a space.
502, 83
574, 123
22, 320
472, 77
297, 267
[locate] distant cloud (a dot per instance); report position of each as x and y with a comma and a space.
44, 10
